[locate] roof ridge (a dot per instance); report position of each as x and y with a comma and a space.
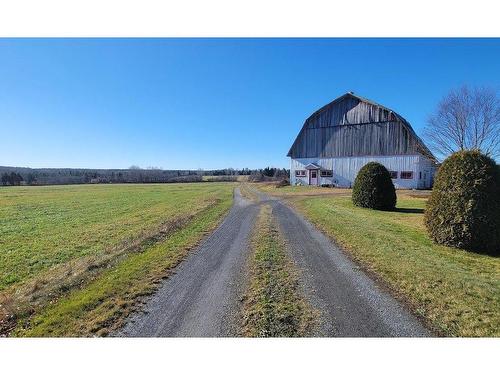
371, 102
361, 98
403, 120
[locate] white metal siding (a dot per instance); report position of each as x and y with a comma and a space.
345, 170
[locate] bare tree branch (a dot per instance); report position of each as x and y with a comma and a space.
465, 119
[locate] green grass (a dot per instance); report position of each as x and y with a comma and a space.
101, 306
291, 191
273, 306
457, 292
44, 226
54, 239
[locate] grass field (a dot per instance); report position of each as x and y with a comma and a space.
457, 292
56, 239
300, 191
273, 306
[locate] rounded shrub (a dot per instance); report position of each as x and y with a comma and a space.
464, 208
373, 188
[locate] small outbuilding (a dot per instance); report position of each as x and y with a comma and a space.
337, 140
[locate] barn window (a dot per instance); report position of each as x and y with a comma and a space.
326, 173
419, 175
407, 175
300, 173
394, 174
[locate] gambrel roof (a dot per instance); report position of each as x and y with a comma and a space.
354, 126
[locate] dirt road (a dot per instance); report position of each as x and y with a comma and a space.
203, 297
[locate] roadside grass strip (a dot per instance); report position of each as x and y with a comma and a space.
272, 305
248, 193
455, 291
102, 305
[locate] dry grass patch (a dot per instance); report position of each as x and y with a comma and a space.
248, 193
296, 191
273, 306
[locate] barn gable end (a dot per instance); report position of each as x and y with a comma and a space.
355, 126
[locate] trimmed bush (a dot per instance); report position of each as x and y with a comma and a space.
373, 188
464, 208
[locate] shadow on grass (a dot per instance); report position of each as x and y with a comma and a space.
409, 210
491, 253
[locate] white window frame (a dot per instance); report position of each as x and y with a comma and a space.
326, 173
300, 173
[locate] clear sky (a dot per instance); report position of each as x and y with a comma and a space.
209, 103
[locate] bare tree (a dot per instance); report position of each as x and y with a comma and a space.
466, 119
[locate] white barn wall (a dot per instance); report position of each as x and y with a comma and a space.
428, 169
345, 169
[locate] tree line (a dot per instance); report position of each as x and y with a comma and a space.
267, 172
14, 176
12, 179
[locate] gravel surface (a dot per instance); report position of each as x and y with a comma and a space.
350, 303
203, 297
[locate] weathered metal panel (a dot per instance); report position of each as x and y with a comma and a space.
349, 110
389, 138
354, 126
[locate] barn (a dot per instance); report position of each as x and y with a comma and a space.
337, 140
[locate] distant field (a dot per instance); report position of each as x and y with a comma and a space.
457, 292
225, 178
56, 238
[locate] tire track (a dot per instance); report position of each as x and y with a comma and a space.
202, 297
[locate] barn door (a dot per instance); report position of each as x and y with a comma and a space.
427, 182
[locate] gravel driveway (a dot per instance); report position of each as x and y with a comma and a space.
202, 298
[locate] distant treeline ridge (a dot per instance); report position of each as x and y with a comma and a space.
64, 176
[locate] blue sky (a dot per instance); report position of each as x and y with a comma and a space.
209, 103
